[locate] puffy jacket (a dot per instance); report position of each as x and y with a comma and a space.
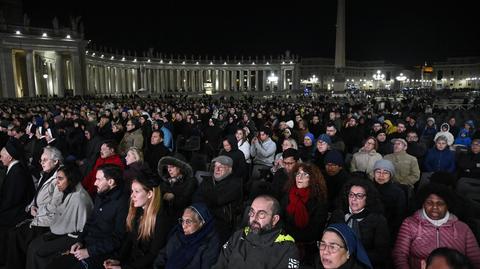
245, 249
406, 167
363, 161
439, 160
418, 237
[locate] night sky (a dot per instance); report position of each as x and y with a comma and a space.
402, 32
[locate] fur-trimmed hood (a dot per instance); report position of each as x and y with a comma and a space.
177, 161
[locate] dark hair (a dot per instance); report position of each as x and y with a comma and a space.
438, 189
275, 204
375, 146
454, 258
73, 176
331, 124
112, 171
317, 182
112, 144
372, 204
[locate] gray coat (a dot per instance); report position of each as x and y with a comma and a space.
48, 198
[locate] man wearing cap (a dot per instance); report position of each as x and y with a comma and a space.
104, 231
222, 194
263, 151
406, 166
335, 176
262, 244
16, 192
393, 197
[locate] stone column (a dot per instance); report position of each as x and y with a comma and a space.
6, 73
280, 80
257, 84
79, 74
200, 81
30, 74
264, 81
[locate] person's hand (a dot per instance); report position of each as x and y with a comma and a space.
423, 264
75, 247
81, 254
33, 211
111, 264
168, 196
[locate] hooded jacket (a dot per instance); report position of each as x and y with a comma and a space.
418, 237
447, 134
239, 164
182, 188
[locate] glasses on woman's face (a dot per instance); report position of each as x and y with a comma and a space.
359, 196
187, 222
332, 248
261, 214
302, 174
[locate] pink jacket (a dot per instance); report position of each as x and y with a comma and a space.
418, 237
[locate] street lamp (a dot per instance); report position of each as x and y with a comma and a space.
378, 77
272, 79
401, 78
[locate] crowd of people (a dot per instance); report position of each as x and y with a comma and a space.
238, 183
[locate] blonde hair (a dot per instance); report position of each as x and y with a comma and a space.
137, 153
146, 227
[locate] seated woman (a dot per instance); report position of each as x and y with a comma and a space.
42, 209
433, 225
146, 230
365, 158
134, 165
193, 242
305, 207
361, 210
177, 184
70, 217
340, 249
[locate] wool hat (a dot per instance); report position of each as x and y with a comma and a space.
325, 138
225, 160
335, 157
290, 124
309, 136
14, 149
385, 165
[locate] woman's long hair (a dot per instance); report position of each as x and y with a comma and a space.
317, 183
146, 227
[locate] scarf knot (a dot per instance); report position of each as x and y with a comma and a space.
297, 206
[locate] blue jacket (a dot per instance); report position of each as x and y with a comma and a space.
437, 160
167, 138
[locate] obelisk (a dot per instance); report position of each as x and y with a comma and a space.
339, 73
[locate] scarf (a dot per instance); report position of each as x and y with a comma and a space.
436, 223
297, 198
182, 256
353, 220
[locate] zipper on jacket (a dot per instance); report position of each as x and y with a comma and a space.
438, 237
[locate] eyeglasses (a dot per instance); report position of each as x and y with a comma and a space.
359, 196
332, 248
261, 214
187, 222
302, 174
382, 172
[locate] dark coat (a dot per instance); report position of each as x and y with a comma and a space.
439, 160
469, 165
15, 194
205, 257
374, 235
222, 199
272, 249
140, 254
394, 202
317, 215
334, 186
153, 154
105, 228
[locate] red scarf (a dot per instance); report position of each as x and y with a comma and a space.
296, 206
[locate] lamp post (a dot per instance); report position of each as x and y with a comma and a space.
401, 78
378, 77
272, 79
